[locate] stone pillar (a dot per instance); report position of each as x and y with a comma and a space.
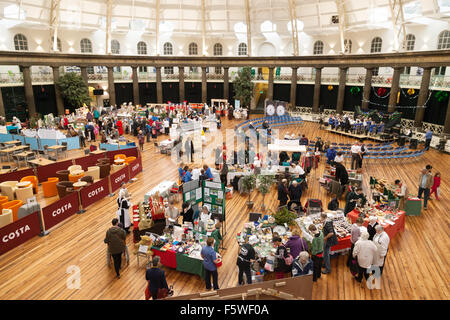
29, 95
270, 89
394, 90
447, 120
317, 83
423, 96
341, 89
111, 88
367, 88
2, 106
181, 81
135, 73
159, 97
59, 100
85, 77
226, 84
293, 87
204, 88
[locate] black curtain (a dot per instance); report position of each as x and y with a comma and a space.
147, 93
352, 99
45, 99
328, 98
282, 92
379, 98
171, 92
436, 111
408, 100
15, 103
193, 92
124, 93
214, 91
304, 95
231, 97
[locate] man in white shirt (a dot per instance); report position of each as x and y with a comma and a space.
257, 165
402, 194
356, 155
298, 170
381, 240
196, 173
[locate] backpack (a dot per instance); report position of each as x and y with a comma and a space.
333, 205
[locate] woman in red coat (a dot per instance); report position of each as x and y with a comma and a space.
119, 127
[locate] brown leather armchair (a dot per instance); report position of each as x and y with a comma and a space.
88, 179
104, 160
64, 188
63, 175
105, 168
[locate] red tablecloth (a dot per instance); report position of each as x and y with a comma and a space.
344, 243
391, 230
168, 258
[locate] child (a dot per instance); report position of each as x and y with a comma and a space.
435, 188
141, 139
217, 237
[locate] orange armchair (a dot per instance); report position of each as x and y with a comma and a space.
14, 206
33, 180
3, 200
120, 156
129, 160
49, 187
75, 177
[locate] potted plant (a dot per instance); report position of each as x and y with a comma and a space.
284, 216
263, 184
248, 184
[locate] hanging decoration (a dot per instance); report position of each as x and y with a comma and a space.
355, 90
398, 97
411, 91
381, 92
411, 94
441, 95
330, 87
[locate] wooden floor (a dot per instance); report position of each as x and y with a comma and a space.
416, 267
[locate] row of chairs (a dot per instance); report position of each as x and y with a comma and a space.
390, 157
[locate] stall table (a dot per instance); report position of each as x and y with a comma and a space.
41, 162
12, 142
56, 149
190, 265
168, 258
98, 152
9, 151
391, 230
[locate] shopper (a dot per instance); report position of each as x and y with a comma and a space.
303, 265
283, 193
187, 212
141, 140
245, 258
356, 155
339, 157
115, 239
361, 154
428, 137
373, 222
281, 254
171, 214
316, 251
296, 244
381, 240
209, 263
331, 154
187, 174
208, 172
403, 192
156, 278
341, 173
355, 232
330, 239
223, 173
425, 183
436, 185
217, 237
295, 194
353, 198
365, 252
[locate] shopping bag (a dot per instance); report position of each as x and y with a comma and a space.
438, 192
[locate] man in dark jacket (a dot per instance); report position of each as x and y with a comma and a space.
330, 239
352, 198
283, 192
295, 193
156, 278
245, 258
115, 238
341, 173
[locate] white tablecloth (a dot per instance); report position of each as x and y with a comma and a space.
163, 189
289, 148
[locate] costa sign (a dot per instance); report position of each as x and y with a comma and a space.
118, 177
16, 233
135, 167
94, 193
60, 210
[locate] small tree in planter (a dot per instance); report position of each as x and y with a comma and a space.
264, 182
248, 184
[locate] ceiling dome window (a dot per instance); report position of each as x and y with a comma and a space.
193, 49
318, 47
242, 49
376, 44
218, 49
348, 46
20, 42
410, 42
86, 46
444, 40
168, 49
141, 47
115, 47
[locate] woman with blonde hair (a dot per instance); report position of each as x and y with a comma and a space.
296, 244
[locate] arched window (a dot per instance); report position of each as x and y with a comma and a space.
86, 46
376, 45
444, 40
168, 48
20, 42
218, 49
193, 49
318, 47
242, 49
115, 47
348, 46
141, 47
410, 42
58, 44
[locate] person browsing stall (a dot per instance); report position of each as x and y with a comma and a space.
209, 263
245, 258
303, 265
156, 278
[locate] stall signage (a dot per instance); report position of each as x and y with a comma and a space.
94, 193
118, 177
16, 233
135, 167
60, 210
